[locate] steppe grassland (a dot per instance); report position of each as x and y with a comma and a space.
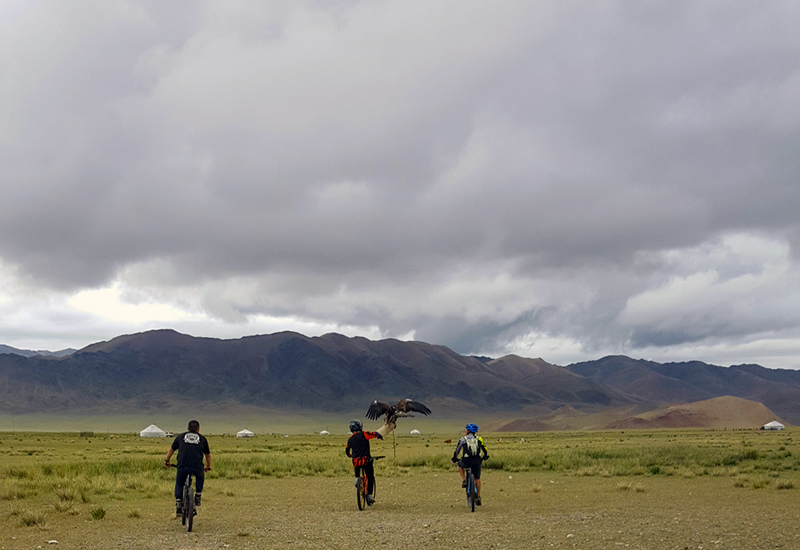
90, 489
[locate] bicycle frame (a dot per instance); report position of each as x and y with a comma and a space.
362, 484
187, 502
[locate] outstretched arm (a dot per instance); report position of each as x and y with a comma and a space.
386, 429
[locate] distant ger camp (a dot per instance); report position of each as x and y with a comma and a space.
152, 431
774, 425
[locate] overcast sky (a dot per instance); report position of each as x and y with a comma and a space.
563, 180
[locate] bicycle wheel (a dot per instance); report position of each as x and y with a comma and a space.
184, 505
189, 508
472, 491
361, 491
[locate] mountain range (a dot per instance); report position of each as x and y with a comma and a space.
31, 353
338, 373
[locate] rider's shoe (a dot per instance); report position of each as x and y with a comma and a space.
370, 500
477, 501
178, 508
197, 499
464, 484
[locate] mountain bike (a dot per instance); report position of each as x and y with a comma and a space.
472, 490
361, 485
187, 503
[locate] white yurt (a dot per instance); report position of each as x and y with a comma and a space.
245, 433
415, 432
152, 431
774, 425
324, 432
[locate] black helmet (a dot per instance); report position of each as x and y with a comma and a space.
356, 426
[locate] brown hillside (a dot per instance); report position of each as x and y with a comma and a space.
554, 383
720, 412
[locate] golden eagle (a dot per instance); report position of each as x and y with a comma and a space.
393, 412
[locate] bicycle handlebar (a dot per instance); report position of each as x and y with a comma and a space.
175, 466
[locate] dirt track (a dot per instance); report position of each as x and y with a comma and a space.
428, 511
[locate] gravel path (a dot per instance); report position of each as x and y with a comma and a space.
528, 510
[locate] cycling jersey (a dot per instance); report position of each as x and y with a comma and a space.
358, 446
472, 446
191, 447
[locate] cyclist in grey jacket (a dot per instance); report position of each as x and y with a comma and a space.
472, 446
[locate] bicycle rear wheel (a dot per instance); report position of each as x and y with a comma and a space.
188, 509
472, 491
183, 505
361, 490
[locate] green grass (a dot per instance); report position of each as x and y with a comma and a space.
88, 487
76, 471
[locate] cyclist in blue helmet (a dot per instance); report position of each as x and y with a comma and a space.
471, 446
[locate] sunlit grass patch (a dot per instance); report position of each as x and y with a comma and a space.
784, 484
761, 482
15, 492
31, 518
601, 471
65, 507
65, 494
630, 486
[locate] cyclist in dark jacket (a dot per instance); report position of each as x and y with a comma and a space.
358, 449
472, 446
191, 447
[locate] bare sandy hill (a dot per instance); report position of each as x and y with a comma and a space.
565, 418
717, 413
720, 412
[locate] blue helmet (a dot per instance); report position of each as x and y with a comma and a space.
356, 426
472, 428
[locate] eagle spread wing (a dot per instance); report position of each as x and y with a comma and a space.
407, 405
378, 409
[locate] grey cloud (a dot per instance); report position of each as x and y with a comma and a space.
380, 147
643, 337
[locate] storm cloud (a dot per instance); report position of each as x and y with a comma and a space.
555, 179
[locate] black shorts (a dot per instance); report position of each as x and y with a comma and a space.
473, 463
